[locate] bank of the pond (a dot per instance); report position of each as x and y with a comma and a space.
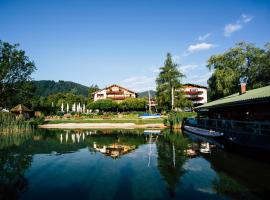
101, 120
102, 126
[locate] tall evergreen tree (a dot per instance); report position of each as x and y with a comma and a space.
169, 78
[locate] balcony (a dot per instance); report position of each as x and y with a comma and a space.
115, 92
193, 92
117, 97
195, 98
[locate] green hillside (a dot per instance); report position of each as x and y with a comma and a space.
48, 87
145, 94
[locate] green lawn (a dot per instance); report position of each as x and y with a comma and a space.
98, 120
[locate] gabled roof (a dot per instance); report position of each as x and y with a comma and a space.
251, 96
194, 85
20, 108
114, 85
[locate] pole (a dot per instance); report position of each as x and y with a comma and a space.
172, 98
149, 101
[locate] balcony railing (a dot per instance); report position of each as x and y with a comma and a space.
115, 92
231, 126
195, 98
117, 98
193, 92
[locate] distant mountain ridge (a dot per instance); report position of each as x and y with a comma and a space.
145, 94
47, 87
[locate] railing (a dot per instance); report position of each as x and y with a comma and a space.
193, 92
230, 126
117, 98
195, 98
115, 92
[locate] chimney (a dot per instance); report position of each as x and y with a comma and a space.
243, 88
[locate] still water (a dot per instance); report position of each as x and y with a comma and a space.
126, 164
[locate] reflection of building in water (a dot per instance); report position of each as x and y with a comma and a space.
198, 148
205, 147
114, 150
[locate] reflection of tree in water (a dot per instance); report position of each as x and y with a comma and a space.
12, 169
226, 186
171, 158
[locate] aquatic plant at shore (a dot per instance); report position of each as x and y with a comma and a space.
9, 124
175, 119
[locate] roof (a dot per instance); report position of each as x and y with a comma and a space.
114, 85
251, 96
20, 108
194, 85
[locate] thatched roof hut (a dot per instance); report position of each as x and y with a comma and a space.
20, 109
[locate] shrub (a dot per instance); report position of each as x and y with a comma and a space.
104, 105
132, 104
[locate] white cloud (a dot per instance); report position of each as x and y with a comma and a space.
176, 58
230, 28
199, 78
202, 79
200, 47
204, 37
246, 18
233, 27
139, 83
186, 68
155, 70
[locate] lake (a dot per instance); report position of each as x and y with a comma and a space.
126, 164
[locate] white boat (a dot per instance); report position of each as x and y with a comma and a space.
154, 132
203, 132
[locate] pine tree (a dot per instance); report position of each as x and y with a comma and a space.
169, 78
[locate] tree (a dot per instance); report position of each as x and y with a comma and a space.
104, 105
92, 89
15, 75
243, 60
169, 77
171, 157
44, 104
132, 104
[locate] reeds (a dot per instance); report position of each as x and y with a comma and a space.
9, 124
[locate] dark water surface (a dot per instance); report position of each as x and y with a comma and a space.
121, 164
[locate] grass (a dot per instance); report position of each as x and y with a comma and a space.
98, 120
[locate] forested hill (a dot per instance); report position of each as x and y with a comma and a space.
47, 87
145, 94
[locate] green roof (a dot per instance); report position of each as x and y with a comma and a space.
255, 95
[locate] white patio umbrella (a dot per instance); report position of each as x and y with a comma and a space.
62, 107
67, 107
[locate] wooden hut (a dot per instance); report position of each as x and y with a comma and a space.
21, 110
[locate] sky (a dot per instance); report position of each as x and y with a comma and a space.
126, 42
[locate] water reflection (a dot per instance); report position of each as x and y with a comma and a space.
171, 158
122, 163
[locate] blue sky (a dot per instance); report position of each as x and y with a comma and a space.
125, 42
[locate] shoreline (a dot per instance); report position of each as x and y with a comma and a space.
102, 126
